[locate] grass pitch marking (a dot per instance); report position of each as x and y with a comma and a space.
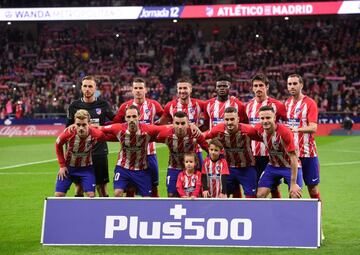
52, 160
341, 163
28, 164
25, 173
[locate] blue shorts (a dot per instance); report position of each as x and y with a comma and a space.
171, 179
311, 170
273, 174
246, 176
154, 169
261, 164
83, 175
140, 178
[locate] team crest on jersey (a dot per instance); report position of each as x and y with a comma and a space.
218, 168
147, 111
297, 110
98, 111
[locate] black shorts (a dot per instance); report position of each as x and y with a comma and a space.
101, 167
261, 163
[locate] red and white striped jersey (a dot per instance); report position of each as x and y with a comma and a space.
189, 184
214, 110
214, 170
78, 153
237, 146
149, 109
193, 109
133, 149
178, 146
300, 114
252, 112
279, 144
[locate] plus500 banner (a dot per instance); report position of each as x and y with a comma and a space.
200, 222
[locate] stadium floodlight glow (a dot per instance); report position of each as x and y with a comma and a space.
9, 23
175, 20
257, 35
73, 85
286, 18
117, 35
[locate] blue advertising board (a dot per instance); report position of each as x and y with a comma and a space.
182, 222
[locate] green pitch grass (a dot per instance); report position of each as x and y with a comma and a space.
24, 185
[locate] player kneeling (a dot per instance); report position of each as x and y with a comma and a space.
284, 163
76, 165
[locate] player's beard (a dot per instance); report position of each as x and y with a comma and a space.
89, 95
223, 93
259, 94
231, 128
223, 96
132, 127
184, 96
293, 92
180, 132
267, 126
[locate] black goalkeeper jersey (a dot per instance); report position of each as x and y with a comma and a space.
99, 111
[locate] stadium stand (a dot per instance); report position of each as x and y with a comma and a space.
41, 64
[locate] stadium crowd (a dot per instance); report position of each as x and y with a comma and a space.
40, 72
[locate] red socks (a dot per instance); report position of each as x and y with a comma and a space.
317, 196
130, 191
275, 193
237, 193
154, 192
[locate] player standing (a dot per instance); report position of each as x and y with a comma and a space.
184, 103
99, 111
214, 108
302, 114
149, 109
260, 87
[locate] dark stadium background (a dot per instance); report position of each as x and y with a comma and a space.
324, 49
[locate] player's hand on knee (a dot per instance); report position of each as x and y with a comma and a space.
63, 172
222, 195
206, 194
295, 191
